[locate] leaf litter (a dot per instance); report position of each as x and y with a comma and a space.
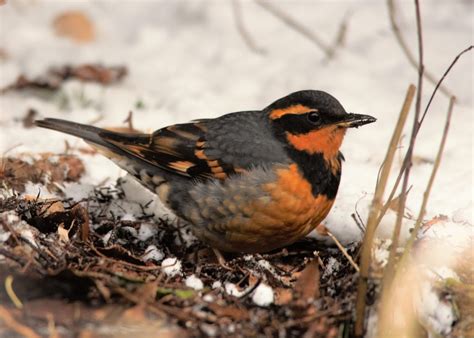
90, 267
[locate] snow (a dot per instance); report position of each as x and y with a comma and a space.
231, 289
194, 282
146, 231
171, 266
217, 284
437, 314
208, 298
331, 267
186, 60
153, 253
263, 295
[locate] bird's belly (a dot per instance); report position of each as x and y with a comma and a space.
256, 212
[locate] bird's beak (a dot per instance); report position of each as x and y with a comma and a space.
355, 120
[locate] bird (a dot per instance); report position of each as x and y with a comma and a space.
246, 182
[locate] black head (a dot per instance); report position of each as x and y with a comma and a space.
309, 110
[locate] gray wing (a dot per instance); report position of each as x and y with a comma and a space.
240, 141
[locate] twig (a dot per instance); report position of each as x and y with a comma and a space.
438, 85
409, 157
129, 120
295, 25
436, 164
374, 210
343, 250
239, 23
411, 58
397, 181
11, 293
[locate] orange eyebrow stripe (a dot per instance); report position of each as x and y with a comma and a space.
296, 109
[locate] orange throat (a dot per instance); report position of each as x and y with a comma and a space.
325, 141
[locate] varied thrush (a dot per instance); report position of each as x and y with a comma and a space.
249, 181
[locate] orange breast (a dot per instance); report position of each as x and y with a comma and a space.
293, 211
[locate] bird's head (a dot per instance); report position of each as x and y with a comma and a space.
313, 121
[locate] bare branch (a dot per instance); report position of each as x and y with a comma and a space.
298, 27
237, 10
397, 181
438, 85
411, 58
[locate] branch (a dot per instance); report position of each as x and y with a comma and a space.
438, 85
295, 25
411, 58
237, 10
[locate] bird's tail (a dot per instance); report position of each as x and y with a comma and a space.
110, 143
88, 133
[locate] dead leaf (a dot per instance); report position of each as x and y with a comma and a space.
230, 311
74, 25
63, 233
54, 77
307, 285
394, 203
283, 296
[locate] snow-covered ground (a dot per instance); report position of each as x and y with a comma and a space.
186, 60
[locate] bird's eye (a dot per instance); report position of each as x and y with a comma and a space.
314, 117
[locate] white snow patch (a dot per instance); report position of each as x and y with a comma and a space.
231, 289
4, 236
146, 231
438, 314
77, 190
217, 284
128, 217
382, 251
35, 189
153, 253
171, 266
106, 237
194, 282
208, 298
332, 266
263, 295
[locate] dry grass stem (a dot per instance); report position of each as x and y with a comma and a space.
11, 293
375, 208
429, 186
343, 250
408, 162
